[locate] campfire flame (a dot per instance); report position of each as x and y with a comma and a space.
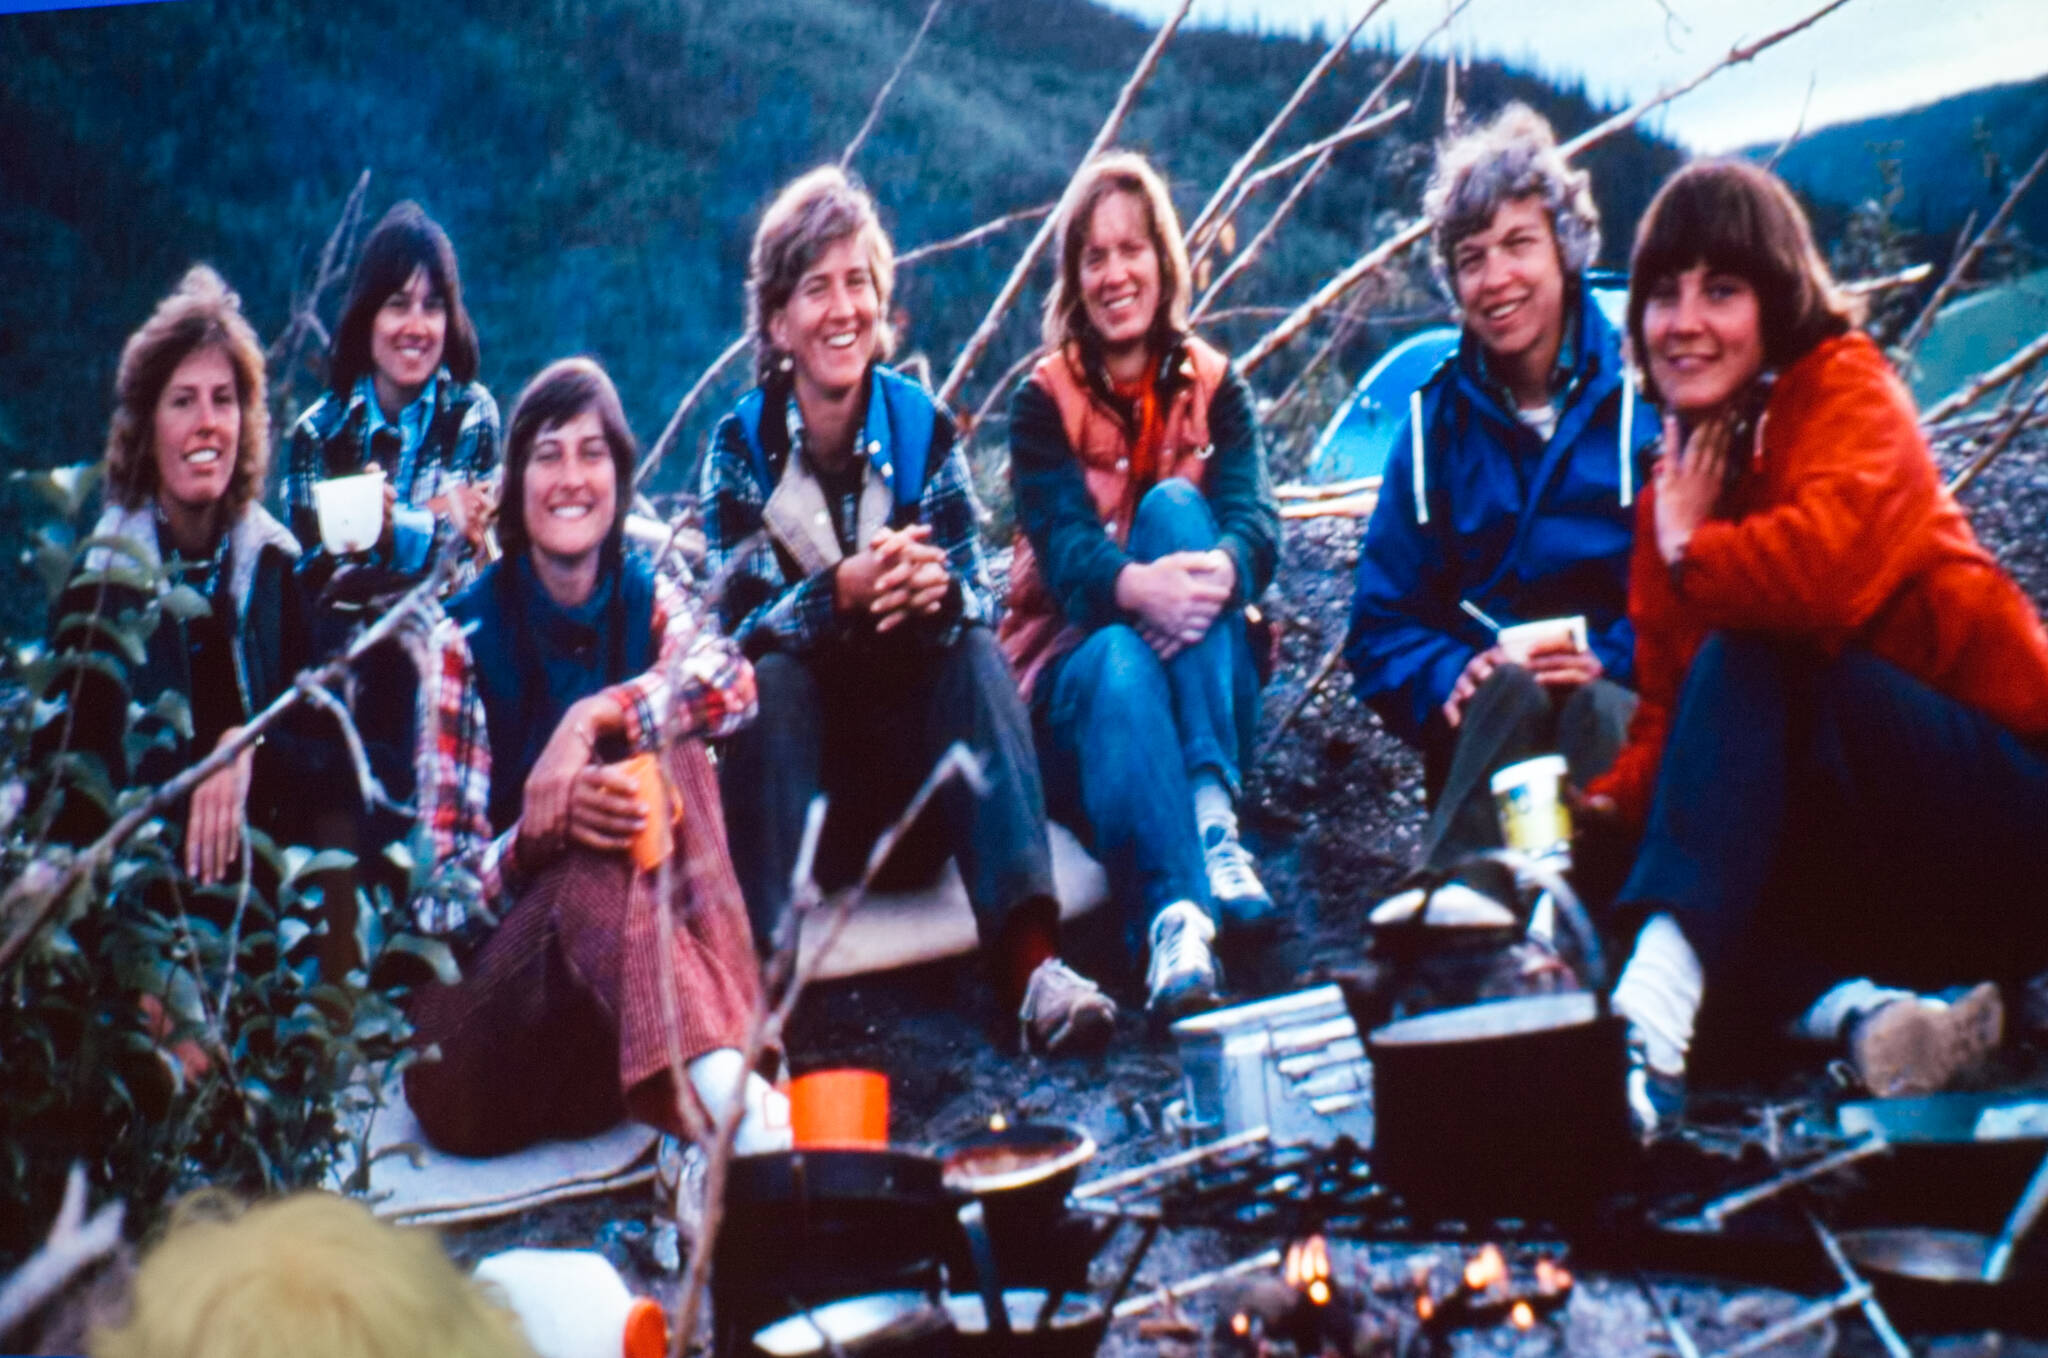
998, 1123
1552, 1277
1486, 1269
1308, 1268
1424, 1307
1523, 1316
1240, 1324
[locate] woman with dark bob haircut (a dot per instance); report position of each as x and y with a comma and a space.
185, 460
402, 397
1840, 763
566, 659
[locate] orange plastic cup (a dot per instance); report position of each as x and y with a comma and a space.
840, 1108
656, 840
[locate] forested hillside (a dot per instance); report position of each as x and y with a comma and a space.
600, 164
1953, 158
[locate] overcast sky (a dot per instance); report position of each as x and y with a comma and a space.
1868, 57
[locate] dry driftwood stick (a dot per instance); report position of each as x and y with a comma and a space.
1925, 320
1320, 153
1998, 445
967, 238
1989, 380
36, 894
1737, 55
73, 1245
1271, 226
777, 1004
1798, 128
986, 331
995, 393
1199, 233
1866, 287
889, 85
674, 427
286, 350
1284, 333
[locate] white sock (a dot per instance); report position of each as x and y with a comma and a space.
1213, 806
764, 1126
1829, 1019
1660, 991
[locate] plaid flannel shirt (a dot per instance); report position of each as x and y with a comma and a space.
333, 438
699, 685
797, 613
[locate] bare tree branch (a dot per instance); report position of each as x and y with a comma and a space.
1968, 394
1250, 253
1199, 233
1998, 445
982, 232
335, 262
73, 1245
33, 897
1737, 55
1904, 278
1002, 384
674, 427
889, 85
1925, 320
1798, 128
1319, 152
986, 331
1325, 296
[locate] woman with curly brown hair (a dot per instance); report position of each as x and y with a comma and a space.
186, 457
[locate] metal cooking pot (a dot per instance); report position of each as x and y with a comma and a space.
807, 1227
887, 1323
1074, 1330
1515, 1107
1019, 1177
1937, 1276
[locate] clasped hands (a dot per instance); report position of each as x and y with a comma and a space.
1690, 478
1176, 598
900, 575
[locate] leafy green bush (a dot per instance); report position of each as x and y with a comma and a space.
167, 1034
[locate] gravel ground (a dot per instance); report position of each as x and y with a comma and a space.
1334, 811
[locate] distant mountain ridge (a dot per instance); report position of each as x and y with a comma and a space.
1944, 150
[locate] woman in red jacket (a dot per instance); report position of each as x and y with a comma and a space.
1839, 764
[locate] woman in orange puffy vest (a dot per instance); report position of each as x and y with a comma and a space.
1840, 761
1148, 524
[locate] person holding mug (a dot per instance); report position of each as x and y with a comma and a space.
568, 657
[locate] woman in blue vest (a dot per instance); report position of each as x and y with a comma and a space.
566, 657
838, 504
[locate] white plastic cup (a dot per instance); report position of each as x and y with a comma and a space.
1529, 798
351, 512
1524, 639
574, 1304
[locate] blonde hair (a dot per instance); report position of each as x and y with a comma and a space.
1066, 317
312, 1275
813, 213
201, 313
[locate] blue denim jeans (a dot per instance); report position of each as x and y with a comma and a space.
1120, 733
1817, 819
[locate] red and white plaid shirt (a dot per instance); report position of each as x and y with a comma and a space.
699, 685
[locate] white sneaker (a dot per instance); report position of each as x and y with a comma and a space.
1182, 977
1241, 899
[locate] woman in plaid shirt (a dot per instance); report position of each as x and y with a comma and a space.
564, 659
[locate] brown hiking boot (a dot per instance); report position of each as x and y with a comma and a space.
1064, 1011
1921, 1046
